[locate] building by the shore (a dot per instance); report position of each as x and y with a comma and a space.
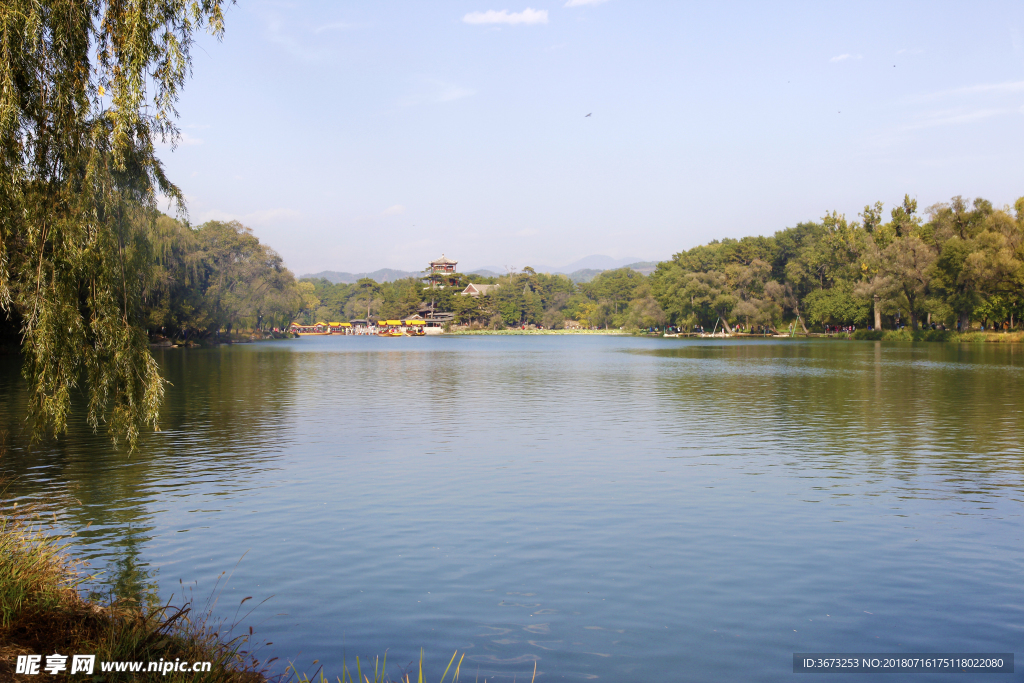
474, 290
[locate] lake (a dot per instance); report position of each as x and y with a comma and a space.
609, 508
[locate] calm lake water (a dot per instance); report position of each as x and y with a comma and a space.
611, 508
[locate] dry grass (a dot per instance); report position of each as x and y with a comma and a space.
42, 612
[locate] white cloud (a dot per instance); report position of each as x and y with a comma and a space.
184, 140
297, 47
163, 202
844, 57
953, 116
252, 218
393, 210
189, 141
528, 232
527, 16
910, 51
449, 92
336, 26
1005, 88
434, 91
580, 3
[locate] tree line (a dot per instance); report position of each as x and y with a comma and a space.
956, 264
959, 262
213, 278
87, 265
616, 298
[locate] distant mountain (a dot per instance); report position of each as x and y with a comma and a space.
588, 274
382, 275
584, 270
595, 262
584, 275
644, 267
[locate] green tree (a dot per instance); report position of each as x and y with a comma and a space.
309, 301
836, 305
617, 286
85, 87
246, 280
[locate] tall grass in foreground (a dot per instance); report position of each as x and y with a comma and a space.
41, 613
379, 675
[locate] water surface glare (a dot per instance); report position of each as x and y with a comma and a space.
611, 508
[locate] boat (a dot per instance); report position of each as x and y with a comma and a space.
401, 328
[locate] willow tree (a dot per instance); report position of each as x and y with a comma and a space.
86, 88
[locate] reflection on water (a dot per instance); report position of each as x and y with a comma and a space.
608, 508
218, 436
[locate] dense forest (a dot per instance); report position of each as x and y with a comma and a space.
958, 264
213, 278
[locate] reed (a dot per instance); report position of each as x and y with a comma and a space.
379, 675
42, 612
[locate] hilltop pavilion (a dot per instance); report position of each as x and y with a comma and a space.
441, 273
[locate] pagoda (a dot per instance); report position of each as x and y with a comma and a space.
442, 273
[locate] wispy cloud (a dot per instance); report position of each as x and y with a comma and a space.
580, 3
949, 117
434, 91
251, 218
189, 141
844, 57
183, 140
393, 210
1004, 88
527, 16
336, 26
449, 92
910, 51
528, 232
298, 48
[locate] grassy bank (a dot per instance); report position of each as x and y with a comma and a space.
940, 336
42, 613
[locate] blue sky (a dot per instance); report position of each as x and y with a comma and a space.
361, 135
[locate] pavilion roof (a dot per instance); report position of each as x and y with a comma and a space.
444, 260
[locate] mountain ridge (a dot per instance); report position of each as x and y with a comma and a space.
582, 270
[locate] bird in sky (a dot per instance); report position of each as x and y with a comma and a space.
588, 115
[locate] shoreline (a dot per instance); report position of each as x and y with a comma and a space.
467, 333
978, 337
42, 611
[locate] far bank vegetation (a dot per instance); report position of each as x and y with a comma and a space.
957, 266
